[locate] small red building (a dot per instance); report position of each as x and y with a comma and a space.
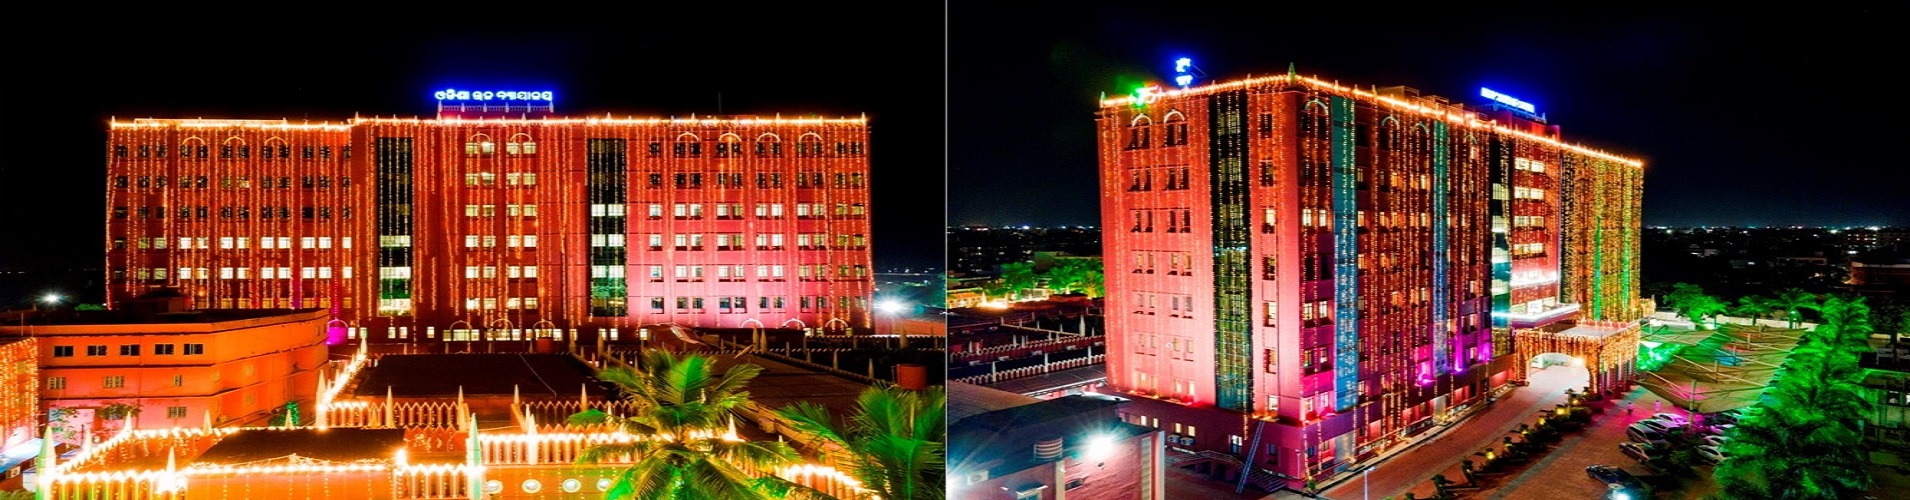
176, 367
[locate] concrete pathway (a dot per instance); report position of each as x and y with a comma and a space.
1417, 463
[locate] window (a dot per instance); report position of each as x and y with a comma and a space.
62, 351
175, 412
95, 350
114, 382
129, 349
56, 382
193, 349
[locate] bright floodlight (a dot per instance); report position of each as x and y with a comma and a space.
889, 306
1180, 65
1183, 80
1620, 495
1100, 447
51, 298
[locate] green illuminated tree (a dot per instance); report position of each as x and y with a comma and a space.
1691, 301
1798, 443
1017, 277
682, 410
895, 441
1792, 302
1754, 307
1076, 275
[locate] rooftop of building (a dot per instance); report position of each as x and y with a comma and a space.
1003, 439
967, 400
1428, 106
337, 444
537, 376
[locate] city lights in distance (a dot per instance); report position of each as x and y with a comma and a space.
1507, 100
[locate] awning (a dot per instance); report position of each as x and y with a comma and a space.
1718, 370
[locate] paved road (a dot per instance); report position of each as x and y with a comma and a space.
1421, 461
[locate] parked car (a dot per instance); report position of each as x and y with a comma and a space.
1720, 429
1716, 440
1643, 452
1710, 454
1674, 418
1661, 426
1726, 417
1642, 433
1616, 477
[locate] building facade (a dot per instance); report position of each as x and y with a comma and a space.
225, 367
1304, 273
498, 221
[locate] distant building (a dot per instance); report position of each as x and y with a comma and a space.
1008, 446
177, 367
1302, 274
498, 220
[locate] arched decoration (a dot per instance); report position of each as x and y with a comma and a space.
275, 147
769, 137
521, 144
1140, 120
798, 322
729, 144
480, 144
769, 145
809, 144
1175, 125
233, 148
1386, 136
691, 137
193, 147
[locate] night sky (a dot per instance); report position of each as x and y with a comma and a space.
66, 75
1784, 117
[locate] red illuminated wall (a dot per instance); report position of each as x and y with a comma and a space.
237, 369
468, 196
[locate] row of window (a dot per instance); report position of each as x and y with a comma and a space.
694, 180
510, 210
729, 210
729, 241
236, 242
732, 272
66, 351
510, 179
1177, 263
764, 149
228, 182
1176, 220
1177, 347
202, 212
1142, 179
199, 150
188, 273
1178, 305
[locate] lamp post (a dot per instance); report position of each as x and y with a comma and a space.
1366, 485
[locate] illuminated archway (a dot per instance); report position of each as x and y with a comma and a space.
1609, 349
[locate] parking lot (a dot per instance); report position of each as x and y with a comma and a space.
1560, 473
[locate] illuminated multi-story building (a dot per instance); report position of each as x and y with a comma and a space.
499, 218
1304, 273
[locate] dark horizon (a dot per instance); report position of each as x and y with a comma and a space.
765, 63
1703, 102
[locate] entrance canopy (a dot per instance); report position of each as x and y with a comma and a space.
1608, 348
1709, 371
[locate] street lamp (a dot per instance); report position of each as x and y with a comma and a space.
51, 299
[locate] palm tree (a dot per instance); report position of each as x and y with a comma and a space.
1017, 277
1791, 301
895, 442
1753, 307
681, 410
1797, 445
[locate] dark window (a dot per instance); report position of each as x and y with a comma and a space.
192, 349
62, 351
163, 349
656, 149
119, 151
129, 349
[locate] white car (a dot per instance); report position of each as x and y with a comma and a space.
1662, 427
1715, 440
1680, 420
